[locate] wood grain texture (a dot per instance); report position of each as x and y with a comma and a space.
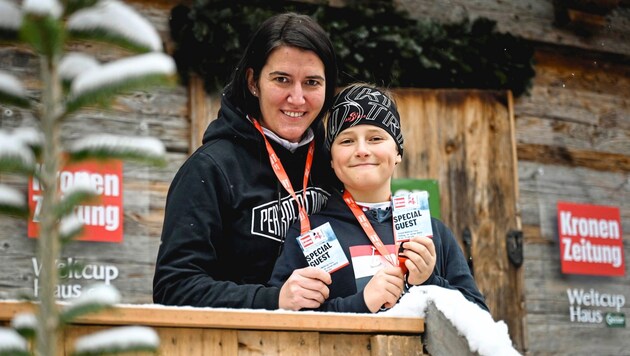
190, 331
441, 338
464, 139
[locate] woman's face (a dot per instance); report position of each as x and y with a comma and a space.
364, 158
291, 91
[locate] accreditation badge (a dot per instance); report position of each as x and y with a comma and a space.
322, 249
411, 216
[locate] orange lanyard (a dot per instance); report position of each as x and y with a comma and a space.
367, 227
305, 224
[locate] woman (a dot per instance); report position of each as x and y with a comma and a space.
366, 144
231, 203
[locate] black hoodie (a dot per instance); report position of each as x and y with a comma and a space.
227, 215
346, 291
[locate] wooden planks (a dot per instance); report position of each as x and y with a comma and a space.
191, 331
464, 139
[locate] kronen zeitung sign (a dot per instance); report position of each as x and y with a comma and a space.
102, 220
590, 239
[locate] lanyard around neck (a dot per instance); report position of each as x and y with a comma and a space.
367, 227
282, 176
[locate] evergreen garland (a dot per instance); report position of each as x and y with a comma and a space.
374, 43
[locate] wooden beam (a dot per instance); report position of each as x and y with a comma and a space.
561, 155
189, 317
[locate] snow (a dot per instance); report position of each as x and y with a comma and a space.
29, 136
10, 16
10, 84
10, 340
123, 70
11, 197
24, 321
80, 185
101, 294
116, 17
118, 338
148, 145
70, 224
484, 335
43, 8
75, 63
13, 147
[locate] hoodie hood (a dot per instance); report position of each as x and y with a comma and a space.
231, 123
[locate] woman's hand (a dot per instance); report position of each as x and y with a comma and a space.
384, 289
306, 288
420, 253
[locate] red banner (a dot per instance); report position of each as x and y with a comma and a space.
591, 241
103, 220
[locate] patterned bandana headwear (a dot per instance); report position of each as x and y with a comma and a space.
361, 104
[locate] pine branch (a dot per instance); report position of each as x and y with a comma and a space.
74, 198
10, 21
102, 23
44, 33
25, 324
12, 202
12, 343
73, 6
106, 37
117, 340
97, 298
100, 85
104, 147
12, 92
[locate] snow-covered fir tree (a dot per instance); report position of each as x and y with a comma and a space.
70, 82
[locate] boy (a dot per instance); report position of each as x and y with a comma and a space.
366, 143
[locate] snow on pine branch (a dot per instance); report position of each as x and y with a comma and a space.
12, 147
101, 294
146, 146
115, 17
118, 339
70, 225
29, 136
95, 299
9, 84
25, 324
11, 90
11, 342
11, 197
123, 70
75, 63
10, 16
43, 8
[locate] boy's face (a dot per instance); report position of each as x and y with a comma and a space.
364, 158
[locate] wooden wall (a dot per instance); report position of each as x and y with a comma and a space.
573, 144
161, 113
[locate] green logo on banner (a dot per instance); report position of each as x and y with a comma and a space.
408, 185
615, 320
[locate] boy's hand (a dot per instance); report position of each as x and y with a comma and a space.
384, 289
420, 253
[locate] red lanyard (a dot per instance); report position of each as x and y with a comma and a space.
305, 224
367, 227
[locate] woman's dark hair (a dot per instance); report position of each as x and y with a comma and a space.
287, 29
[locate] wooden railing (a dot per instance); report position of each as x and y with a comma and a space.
204, 331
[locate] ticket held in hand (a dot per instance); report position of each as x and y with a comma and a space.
411, 217
322, 249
